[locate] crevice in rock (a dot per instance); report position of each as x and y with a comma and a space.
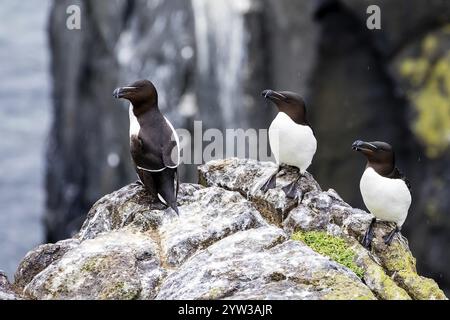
154, 235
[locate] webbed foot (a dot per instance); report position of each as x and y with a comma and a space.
270, 183
390, 236
290, 190
368, 236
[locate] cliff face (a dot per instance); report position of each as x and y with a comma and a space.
230, 241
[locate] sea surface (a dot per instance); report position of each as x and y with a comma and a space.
24, 124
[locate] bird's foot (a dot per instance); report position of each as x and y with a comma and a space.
174, 207
270, 183
389, 237
368, 236
290, 190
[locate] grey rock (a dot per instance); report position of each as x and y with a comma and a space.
6, 291
326, 211
211, 215
261, 264
233, 174
39, 259
118, 210
106, 267
223, 246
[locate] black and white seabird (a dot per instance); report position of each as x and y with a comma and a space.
154, 143
385, 190
291, 137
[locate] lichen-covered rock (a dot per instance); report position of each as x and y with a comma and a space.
6, 291
247, 179
111, 266
230, 241
319, 210
39, 259
262, 264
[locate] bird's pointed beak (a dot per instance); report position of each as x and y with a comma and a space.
273, 96
120, 93
363, 146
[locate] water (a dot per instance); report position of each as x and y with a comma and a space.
24, 123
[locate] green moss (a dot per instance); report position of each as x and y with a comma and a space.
333, 247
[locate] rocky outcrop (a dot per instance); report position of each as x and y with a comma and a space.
230, 241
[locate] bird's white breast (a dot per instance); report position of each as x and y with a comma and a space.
134, 123
291, 143
387, 199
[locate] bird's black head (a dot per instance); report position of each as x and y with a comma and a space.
380, 155
288, 102
141, 94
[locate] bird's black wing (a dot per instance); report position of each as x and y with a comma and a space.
170, 154
155, 152
146, 153
397, 174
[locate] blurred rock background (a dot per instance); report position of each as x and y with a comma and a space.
211, 59
25, 109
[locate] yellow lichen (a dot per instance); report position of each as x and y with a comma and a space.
399, 262
429, 80
414, 69
430, 44
215, 293
383, 285
340, 287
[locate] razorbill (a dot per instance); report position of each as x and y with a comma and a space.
385, 190
154, 143
291, 137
